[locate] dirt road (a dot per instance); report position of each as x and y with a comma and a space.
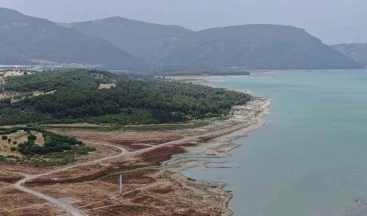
68, 208
76, 212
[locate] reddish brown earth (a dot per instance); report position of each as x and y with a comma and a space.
148, 187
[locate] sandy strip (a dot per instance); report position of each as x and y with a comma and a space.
208, 80
249, 118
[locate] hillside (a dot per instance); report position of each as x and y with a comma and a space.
144, 40
102, 97
25, 39
249, 46
356, 51
261, 47
101, 44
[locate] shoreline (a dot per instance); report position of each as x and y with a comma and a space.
207, 80
207, 142
250, 117
220, 148
215, 143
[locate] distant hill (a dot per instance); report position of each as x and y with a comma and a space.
356, 51
102, 43
11, 56
25, 39
249, 46
260, 47
148, 41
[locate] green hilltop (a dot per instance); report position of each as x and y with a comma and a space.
74, 96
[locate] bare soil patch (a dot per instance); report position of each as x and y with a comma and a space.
128, 137
6, 74
146, 192
14, 202
159, 155
10, 177
106, 86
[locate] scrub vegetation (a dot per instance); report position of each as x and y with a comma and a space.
77, 98
39, 147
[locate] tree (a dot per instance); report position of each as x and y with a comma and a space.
32, 137
66, 146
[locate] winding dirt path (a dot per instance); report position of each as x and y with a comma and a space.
76, 212
68, 208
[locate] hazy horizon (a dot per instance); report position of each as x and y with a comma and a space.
333, 21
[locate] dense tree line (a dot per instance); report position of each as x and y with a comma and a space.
78, 99
49, 81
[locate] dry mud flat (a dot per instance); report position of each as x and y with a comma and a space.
14, 202
153, 184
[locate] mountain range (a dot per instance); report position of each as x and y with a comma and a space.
120, 43
250, 46
26, 40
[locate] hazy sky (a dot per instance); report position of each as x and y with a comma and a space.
333, 21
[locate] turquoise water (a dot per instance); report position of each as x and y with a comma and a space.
311, 157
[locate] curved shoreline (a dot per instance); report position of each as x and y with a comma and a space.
250, 117
213, 141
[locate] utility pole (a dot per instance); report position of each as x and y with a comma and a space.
121, 187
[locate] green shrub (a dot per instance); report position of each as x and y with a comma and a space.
32, 137
13, 148
4, 137
66, 146
18, 97
36, 149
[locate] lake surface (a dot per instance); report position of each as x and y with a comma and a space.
311, 157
